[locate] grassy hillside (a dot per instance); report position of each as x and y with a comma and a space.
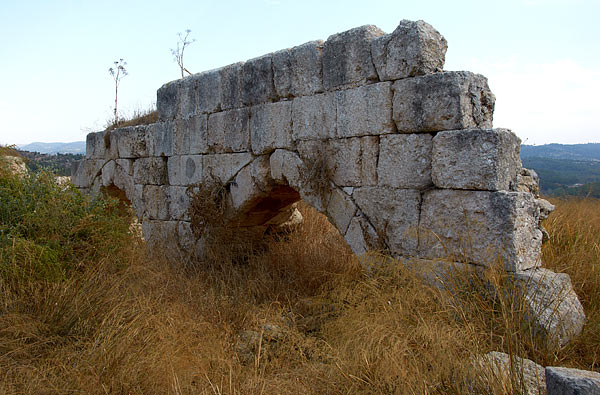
84, 310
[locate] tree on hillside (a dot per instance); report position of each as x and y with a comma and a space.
117, 72
178, 52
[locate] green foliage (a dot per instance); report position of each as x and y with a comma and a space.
47, 230
559, 177
60, 164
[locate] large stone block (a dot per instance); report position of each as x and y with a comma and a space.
94, 145
126, 165
347, 58
481, 159
223, 167
340, 209
108, 173
251, 183
414, 48
405, 161
314, 117
179, 203
257, 81
185, 169
229, 131
285, 167
132, 142
160, 138
231, 86
566, 381
160, 236
361, 236
271, 127
349, 162
156, 202
189, 135
208, 89
188, 96
480, 227
442, 101
551, 305
168, 100
395, 215
151, 170
87, 171
366, 110
299, 71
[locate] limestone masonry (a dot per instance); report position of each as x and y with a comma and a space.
405, 153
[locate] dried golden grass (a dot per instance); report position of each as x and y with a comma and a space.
147, 326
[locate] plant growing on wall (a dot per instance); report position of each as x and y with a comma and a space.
178, 52
117, 72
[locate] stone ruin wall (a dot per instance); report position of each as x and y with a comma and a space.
366, 127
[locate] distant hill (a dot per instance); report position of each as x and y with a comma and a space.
565, 169
76, 147
562, 151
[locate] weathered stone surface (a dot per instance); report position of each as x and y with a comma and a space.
188, 96
94, 145
179, 203
565, 381
347, 57
298, 71
251, 182
349, 162
168, 100
189, 135
314, 117
160, 235
442, 101
257, 81
271, 127
285, 167
366, 110
126, 165
208, 87
87, 171
413, 49
228, 131
395, 215
108, 173
485, 228
340, 209
528, 181
156, 202
405, 161
185, 169
481, 159
497, 371
231, 86
132, 142
160, 138
150, 171
223, 167
361, 236
551, 305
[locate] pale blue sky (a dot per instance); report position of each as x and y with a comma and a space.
542, 57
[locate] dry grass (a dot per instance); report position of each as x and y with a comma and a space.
294, 315
139, 117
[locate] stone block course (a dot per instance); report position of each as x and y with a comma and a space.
257, 81
405, 161
347, 57
480, 159
480, 227
314, 117
414, 48
229, 131
364, 111
151, 170
298, 71
442, 101
271, 127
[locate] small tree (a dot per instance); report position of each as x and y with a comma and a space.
117, 72
178, 52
